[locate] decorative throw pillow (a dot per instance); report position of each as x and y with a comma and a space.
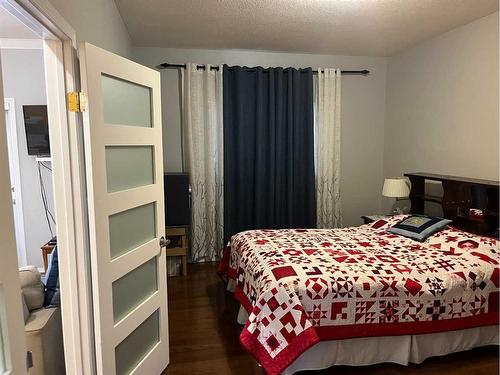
385, 222
419, 227
52, 295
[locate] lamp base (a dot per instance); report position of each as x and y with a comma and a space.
399, 210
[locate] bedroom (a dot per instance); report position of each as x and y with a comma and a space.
428, 104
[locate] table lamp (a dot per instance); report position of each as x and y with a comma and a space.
396, 187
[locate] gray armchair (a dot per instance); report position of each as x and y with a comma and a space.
43, 326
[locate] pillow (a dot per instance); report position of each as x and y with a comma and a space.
52, 295
384, 222
32, 287
419, 227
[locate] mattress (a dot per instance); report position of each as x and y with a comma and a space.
305, 286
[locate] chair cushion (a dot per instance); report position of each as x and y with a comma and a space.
39, 318
419, 227
32, 287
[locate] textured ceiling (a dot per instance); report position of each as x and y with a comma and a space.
349, 27
12, 28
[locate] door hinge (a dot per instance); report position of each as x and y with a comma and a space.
29, 360
77, 101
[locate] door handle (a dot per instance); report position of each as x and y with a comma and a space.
164, 242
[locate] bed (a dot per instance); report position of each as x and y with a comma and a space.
312, 298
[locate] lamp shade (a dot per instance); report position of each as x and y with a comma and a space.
395, 188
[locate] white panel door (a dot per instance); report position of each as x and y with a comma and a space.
124, 163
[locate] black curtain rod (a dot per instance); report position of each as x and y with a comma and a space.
183, 66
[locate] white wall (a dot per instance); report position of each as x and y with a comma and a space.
24, 80
432, 108
442, 104
97, 22
363, 105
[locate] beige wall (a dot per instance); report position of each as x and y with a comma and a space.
442, 104
363, 104
97, 22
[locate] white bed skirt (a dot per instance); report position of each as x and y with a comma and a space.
398, 349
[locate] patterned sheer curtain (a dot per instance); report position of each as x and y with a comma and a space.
327, 137
203, 156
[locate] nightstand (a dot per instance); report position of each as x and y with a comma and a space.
371, 218
178, 246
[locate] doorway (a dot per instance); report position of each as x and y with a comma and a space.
38, 29
99, 260
28, 141
31, 181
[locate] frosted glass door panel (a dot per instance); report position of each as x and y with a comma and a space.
134, 288
125, 103
137, 345
132, 228
128, 167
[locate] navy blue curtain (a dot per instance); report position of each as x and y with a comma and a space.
269, 179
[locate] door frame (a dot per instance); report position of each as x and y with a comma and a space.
15, 170
66, 139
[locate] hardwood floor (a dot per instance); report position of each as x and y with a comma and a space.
204, 337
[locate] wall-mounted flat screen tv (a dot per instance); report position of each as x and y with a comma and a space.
36, 124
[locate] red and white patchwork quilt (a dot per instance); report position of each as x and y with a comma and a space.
301, 286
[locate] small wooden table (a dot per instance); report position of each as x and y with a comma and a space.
46, 251
178, 246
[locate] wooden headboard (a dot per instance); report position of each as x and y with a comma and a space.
460, 195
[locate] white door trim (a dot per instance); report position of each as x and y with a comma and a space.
71, 233
41, 16
15, 171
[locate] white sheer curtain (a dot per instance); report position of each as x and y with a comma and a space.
327, 89
203, 155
